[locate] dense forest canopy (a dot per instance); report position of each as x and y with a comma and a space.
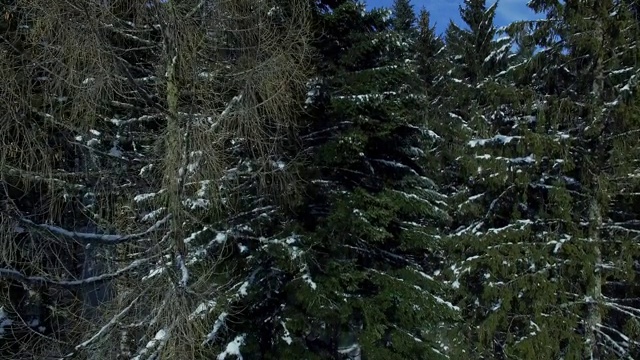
219, 179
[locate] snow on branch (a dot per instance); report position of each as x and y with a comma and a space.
233, 348
38, 280
216, 327
628, 310
498, 139
615, 345
104, 239
228, 109
107, 326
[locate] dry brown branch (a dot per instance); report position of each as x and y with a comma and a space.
115, 115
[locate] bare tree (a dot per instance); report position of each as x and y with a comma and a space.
119, 122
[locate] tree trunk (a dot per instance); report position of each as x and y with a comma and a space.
594, 294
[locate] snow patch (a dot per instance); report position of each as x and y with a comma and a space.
287, 336
307, 278
216, 327
153, 273
233, 348
501, 139
202, 309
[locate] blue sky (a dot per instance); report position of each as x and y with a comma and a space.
443, 10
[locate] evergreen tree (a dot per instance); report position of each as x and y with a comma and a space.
372, 212
590, 76
429, 53
489, 170
403, 16
468, 90
472, 50
458, 199
403, 21
343, 274
553, 275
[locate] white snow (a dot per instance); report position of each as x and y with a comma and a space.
367, 97
622, 71
498, 52
287, 243
273, 11
287, 336
194, 204
101, 238
530, 159
307, 278
216, 327
195, 234
204, 185
153, 214
387, 14
558, 243
313, 90
153, 273
447, 303
161, 335
236, 99
221, 237
243, 288
145, 169
396, 165
233, 348
471, 199
203, 309
353, 351
433, 135
503, 139
144, 197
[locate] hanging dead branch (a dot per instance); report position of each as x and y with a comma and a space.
119, 122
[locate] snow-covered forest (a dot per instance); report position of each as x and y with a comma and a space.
295, 179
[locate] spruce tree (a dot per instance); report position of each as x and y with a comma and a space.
371, 215
429, 53
346, 272
590, 74
403, 16
553, 277
491, 168
468, 89
472, 48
